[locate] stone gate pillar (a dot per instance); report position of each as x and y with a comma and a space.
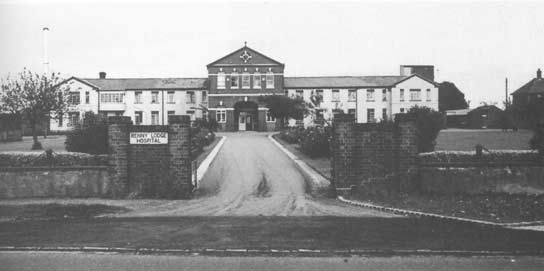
341, 149
118, 142
179, 146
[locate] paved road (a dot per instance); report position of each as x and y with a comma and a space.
251, 176
65, 261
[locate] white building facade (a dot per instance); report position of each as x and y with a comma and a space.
230, 95
148, 101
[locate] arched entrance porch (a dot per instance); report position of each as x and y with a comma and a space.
245, 116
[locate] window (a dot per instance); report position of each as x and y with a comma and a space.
220, 80
191, 113
299, 93
112, 97
370, 115
154, 117
384, 95
138, 117
401, 95
369, 95
191, 97
155, 97
138, 97
234, 80
221, 115
352, 95
269, 80
257, 80
171, 112
269, 117
73, 118
335, 95
170, 97
246, 83
428, 95
87, 97
204, 97
60, 120
384, 114
73, 98
415, 94
319, 115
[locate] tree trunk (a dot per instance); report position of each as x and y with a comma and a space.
36, 145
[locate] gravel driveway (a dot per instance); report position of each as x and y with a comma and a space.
251, 177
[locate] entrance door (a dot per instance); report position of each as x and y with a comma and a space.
242, 121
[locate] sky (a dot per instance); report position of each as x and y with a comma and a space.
475, 45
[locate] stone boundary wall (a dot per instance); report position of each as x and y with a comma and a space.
139, 170
50, 174
383, 157
505, 171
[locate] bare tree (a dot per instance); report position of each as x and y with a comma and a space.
34, 97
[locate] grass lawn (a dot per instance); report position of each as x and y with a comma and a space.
465, 140
55, 142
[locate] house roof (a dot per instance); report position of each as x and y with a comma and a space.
347, 81
146, 83
536, 85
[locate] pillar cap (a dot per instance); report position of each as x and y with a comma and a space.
179, 119
119, 120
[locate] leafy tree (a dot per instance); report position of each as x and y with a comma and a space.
429, 123
33, 97
450, 97
90, 135
282, 107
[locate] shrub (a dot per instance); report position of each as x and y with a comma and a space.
315, 141
537, 141
429, 123
89, 135
202, 133
291, 135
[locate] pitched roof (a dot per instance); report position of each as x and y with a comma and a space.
233, 58
342, 81
147, 83
534, 86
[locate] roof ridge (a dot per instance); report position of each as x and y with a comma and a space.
135, 78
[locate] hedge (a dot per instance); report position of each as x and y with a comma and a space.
40, 159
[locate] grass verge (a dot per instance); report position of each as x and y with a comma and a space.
55, 211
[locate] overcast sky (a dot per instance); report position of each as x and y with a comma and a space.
474, 45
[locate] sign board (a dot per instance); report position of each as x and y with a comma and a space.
149, 138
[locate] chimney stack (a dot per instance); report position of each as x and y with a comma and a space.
45, 31
539, 74
102, 75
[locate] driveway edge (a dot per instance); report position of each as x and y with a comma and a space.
430, 215
205, 165
249, 252
317, 184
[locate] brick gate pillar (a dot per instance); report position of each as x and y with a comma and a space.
179, 146
118, 144
342, 148
406, 149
